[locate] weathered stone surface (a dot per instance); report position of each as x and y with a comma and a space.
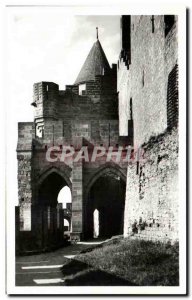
152, 194
153, 56
152, 185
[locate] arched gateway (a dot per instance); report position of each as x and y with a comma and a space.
85, 114
104, 205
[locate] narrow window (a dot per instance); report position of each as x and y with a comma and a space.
131, 110
39, 132
130, 121
82, 89
96, 223
169, 21
38, 92
137, 171
143, 79
153, 23
47, 89
126, 39
63, 129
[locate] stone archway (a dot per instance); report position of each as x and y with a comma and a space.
49, 189
107, 168
106, 194
53, 179
45, 173
47, 213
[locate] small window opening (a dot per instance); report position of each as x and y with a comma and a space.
153, 23
143, 79
169, 21
82, 89
47, 89
96, 223
131, 109
39, 132
126, 39
137, 172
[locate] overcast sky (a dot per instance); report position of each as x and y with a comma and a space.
47, 45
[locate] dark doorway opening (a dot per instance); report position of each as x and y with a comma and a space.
105, 207
47, 221
49, 190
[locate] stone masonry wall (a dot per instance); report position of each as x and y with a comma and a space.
145, 80
152, 191
24, 156
151, 209
124, 88
88, 116
77, 202
45, 96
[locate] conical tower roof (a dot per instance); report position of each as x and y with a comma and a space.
96, 63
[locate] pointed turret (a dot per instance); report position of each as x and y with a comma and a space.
96, 63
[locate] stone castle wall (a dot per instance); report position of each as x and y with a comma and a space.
152, 186
145, 80
152, 191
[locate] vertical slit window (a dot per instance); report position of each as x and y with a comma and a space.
47, 89
126, 39
169, 21
153, 23
131, 109
143, 78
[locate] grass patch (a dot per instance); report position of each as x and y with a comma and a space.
138, 261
